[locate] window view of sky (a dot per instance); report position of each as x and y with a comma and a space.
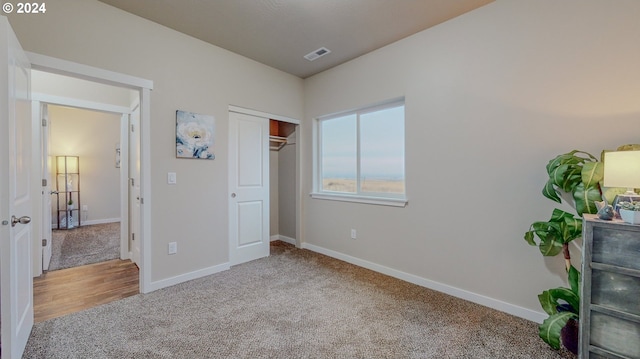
381, 145
339, 148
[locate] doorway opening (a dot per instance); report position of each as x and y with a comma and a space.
282, 171
86, 202
142, 88
87, 169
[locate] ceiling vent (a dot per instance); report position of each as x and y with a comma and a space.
317, 53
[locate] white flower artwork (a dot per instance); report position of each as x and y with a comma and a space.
194, 135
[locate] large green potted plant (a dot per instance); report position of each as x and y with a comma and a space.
574, 176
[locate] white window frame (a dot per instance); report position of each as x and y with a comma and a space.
386, 199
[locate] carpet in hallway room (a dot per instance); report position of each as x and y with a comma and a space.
85, 245
292, 304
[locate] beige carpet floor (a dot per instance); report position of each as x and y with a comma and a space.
292, 304
84, 245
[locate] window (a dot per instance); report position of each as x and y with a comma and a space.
360, 155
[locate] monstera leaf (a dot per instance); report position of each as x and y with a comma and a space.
561, 304
574, 282
561, 229
551, 327
592, 174
570, 170
586, 198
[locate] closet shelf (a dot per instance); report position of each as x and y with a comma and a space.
278, 133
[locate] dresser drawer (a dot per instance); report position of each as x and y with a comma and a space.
616, 291
616, 335
616, 247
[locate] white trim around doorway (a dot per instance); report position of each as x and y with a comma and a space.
144, 87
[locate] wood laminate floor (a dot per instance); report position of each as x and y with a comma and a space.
71, 290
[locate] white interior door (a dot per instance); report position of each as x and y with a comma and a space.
134, 186
46, 189
248, 187
16, 282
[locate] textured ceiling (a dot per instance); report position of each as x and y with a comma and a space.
279, 33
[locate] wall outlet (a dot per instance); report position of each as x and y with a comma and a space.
173, 248
85, 207
353, 234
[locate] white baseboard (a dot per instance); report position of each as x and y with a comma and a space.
163, 283
280, 237
100, 221
496, 304
94, 221
168, 282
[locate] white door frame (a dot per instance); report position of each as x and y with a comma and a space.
124, 185
132, 185
144, 87
42, 252
299, 232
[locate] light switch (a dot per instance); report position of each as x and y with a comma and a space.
171, 178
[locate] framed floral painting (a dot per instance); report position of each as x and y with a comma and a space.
194, 135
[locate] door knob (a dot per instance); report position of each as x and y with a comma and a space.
21, 220
233, 195
53, 192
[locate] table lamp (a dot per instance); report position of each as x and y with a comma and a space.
622, 169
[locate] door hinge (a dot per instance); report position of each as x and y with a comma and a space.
44, 182
44, 242
132, 181
44, 122
133, 236
132, 130
141, 200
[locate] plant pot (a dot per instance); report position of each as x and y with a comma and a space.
630, 216
70, 207
569, 336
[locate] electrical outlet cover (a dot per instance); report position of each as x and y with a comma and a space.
173, 248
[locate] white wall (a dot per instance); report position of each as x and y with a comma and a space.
491, 97
274, 206
77, 89
287, 188
189, 75
92, 136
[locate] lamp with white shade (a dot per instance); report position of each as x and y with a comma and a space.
622, 169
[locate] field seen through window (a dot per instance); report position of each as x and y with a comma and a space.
368, 185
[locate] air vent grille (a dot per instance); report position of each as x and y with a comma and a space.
313, 55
